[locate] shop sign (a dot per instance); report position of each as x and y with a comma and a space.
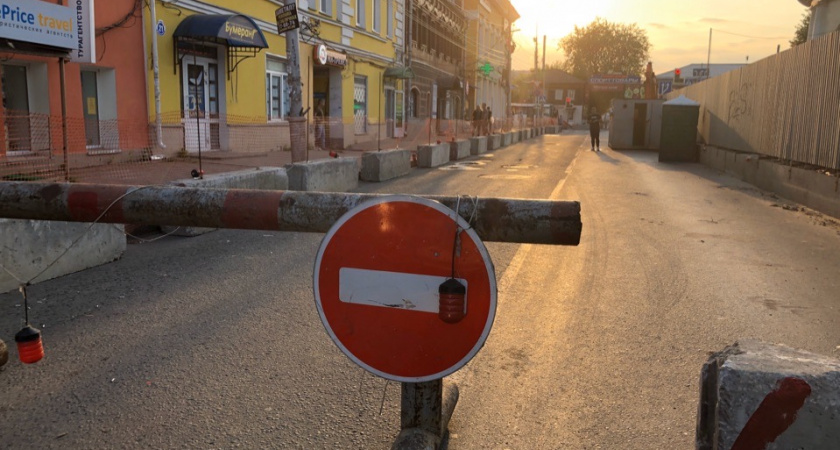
39, 23
287, 18
615, 79
85, 49
326, 57
240, 32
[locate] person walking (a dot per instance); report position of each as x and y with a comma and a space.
595, 129
320, 125
488, 120
476, 120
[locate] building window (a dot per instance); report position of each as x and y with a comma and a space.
360, 13
323, 5
90, 107
277, 103
377, 15
360, 104
389, 21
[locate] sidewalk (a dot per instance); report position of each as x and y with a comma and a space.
167, 170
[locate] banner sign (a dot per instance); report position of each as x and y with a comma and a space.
615, 79
38, 23
85, 49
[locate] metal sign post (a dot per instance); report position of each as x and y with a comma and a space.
288, 23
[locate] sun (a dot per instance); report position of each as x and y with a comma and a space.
554, 20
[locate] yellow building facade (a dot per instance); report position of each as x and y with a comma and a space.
223, 73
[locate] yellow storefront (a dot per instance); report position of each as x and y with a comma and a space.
223, 72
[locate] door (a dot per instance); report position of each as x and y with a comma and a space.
360, 104
195, 80
18, 135
90, 108
640, 122
399, 115
390, 112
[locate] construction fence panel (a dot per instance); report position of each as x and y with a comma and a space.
786, 106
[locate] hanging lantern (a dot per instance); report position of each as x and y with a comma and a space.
30, 348
453, 304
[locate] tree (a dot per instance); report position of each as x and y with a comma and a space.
801, 34
605, 47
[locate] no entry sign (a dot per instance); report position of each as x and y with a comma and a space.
376, 283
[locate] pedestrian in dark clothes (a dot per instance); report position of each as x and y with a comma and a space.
595, 129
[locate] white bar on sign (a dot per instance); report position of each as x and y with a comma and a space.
407, 291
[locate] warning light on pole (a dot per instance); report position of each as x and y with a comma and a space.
677, 75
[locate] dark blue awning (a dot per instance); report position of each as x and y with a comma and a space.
233, 30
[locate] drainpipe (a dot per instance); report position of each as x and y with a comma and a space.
156, 72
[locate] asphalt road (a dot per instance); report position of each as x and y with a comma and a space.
215, 341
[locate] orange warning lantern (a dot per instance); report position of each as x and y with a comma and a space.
453, 304
29, 345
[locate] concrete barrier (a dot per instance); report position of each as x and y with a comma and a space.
385, 165
478, 145
459, 149
514, 136
812, 188
507, 139
494, 141
432, 155
753, 394
29, 246
326, 175
265, 178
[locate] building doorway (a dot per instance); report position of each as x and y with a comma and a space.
90, 108
201, 103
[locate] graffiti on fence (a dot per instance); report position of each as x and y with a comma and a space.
739, 101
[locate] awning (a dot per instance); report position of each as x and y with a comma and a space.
233, 30
239, 33
402, 73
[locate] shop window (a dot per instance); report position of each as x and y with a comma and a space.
277, 93
26, 126
99, 110
360, 104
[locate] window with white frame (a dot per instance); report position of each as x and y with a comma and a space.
389, 20
324, 6
377, 15
277, 103
360, 13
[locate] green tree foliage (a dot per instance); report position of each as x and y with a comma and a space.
605, 47
801, 34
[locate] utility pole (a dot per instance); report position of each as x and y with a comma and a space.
297, 121
544, 87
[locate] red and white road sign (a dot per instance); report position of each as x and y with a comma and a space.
376, 283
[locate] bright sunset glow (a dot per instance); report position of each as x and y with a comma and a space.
678, 31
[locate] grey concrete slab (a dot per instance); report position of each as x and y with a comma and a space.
432, 155
478, 145
385, 165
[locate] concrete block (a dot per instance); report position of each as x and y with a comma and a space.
385, 165
755, 394
264, 178
494, 141
29, 246
432, 155
507, 138
478, 145
326, 175
515, 136
459, 149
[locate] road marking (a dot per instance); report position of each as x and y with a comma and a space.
774, 415
408, 291
522, 253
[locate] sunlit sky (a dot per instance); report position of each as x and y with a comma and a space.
678, 29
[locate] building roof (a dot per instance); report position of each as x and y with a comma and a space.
688, 71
